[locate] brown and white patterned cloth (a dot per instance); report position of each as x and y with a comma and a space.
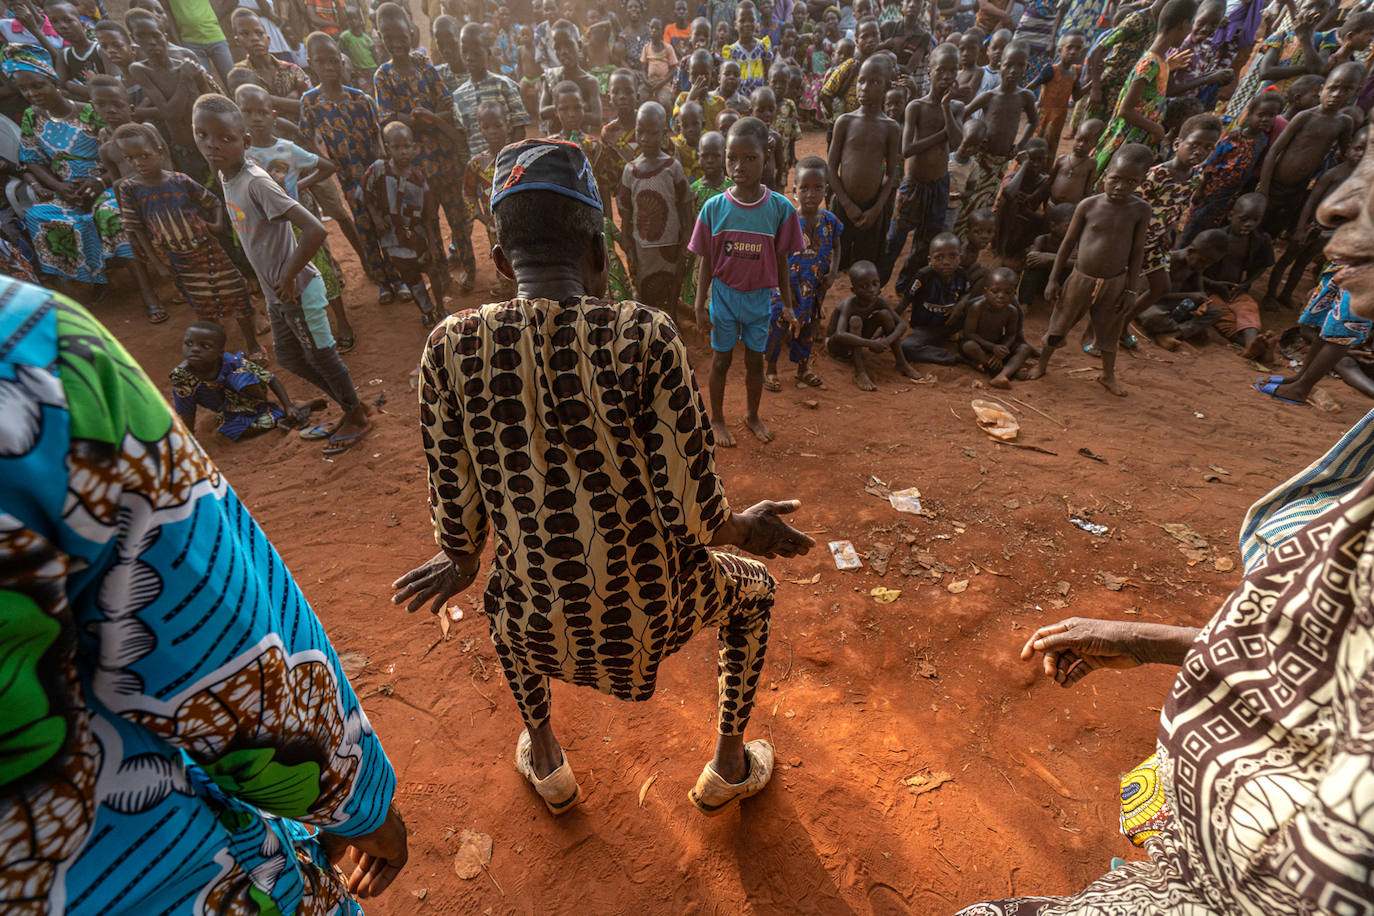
575, 430
1266, 746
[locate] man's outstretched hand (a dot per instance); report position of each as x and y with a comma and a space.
761, 531
370, 862
1076, 646
439, 578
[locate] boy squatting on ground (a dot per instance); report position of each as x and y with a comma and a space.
263, 215
865, 322
1108, 229
743, 238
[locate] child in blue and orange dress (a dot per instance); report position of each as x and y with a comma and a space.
343, 123
1231, 165
812, 272
231, 385
170, 214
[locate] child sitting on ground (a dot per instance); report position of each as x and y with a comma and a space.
655, 204
865, 322
933, 297
169, 214
1003, 110
264, 216
491, 120
992, 341
232, 386
1075, 173
1108, 231
812, 272
398, 198
865, 160
1184, 312
743, 238
1017, 209
1249, 253
1302, 149
1035, 273
1308, 239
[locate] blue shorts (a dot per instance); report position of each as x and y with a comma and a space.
737, 315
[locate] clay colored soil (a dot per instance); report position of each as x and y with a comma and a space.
922, 765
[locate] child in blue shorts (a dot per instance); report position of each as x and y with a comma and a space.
743, 237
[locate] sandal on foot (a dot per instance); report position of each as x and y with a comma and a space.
344, 344
258, 356
812, 380
771, 383
1130, 342
386, 297
157, 314
340, 444
712, 795
1270, 385
559, 789
405, 295
1091, 350
318, 431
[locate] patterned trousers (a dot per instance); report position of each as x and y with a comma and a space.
730, 593
447, 185
375, 262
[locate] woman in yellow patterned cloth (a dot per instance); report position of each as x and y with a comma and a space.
1260, 796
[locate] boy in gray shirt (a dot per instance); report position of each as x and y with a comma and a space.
263, 216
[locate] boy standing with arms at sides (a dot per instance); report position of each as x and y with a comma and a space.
1302, 148
865, 158
743, 238
865, 322
655, 203
686, 140
263, 215
1108, 231
812, 272
969, 77
713, 181
753, 56
764, 106
1074, 173
569, 68
409, 89
1058, 84
619, 132
931, 130
398, 197
343, 124
1004, 108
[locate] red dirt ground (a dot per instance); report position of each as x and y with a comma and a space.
857, 696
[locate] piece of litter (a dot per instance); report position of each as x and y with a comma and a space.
908, 500
957, 587
644, 789
920, 784
1012, 504
846, 557
474, 852
1200, 416
1219, 469
444, 625
353, 662
1113, 583
1090, 527
812, 581
877, 487
878, 556
1185, 535
1223, 564
885, 595
1090, 454
454, 612
1321, 399
374, 381
995, 421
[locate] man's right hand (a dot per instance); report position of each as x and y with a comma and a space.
763, 533
376, 858
1076, 646
438, 578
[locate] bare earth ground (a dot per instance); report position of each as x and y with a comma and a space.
922, 765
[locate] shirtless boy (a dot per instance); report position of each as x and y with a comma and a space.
864, 322
931, 130
173, 85
992, 330
1108, 231
969, 74
1073, 174
1302, 148
1003, 109
865, 156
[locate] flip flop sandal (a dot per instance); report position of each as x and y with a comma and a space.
813, 380
1270, 386
340, 444
1130, 342
1091, 350
344, 344
157, 315
386, 297
405, 295
712, 795
559, 789
318, 431
771, 383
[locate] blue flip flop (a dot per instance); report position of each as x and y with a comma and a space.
318, 431
1270, 385
1130, 342
339, 444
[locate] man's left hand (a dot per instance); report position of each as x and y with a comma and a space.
438, 578
765, 534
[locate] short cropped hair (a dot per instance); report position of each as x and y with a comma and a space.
110, 25
105, 81
139, 15
1175, 14
204, 324
1137, 154
135, 131
239, 77
216, 104
1198, 122
545, 227
1362, 21
1212, 241
812, 162
750, 127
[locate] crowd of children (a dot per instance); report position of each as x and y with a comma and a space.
1138, 174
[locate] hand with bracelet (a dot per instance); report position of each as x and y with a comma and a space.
1077, 646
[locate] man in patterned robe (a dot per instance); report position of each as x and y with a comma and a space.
571, 427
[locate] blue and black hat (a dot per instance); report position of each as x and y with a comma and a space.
544, 165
